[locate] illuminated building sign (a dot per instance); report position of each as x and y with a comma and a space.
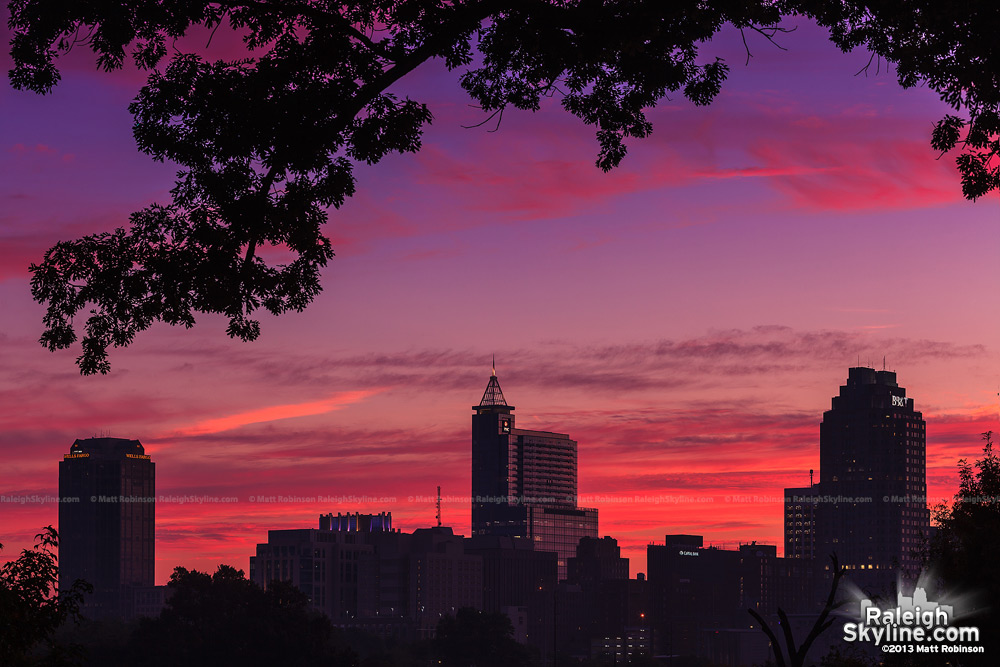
138, 456
687, 553
80, 455
898, 402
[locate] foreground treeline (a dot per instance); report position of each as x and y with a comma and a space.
225, 619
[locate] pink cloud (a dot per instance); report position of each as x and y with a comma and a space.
274, 413
38, 149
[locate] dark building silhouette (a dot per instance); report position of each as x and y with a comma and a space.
800, 522
106, 522
422, 577
597, 560
519, 582
700, 597
603, 612
524, 482
870, 503
361, 573
513, 572
331, 567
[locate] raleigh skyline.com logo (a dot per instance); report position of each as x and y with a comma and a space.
915, 625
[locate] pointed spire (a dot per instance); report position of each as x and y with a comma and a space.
493, 396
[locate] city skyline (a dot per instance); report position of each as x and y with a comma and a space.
698, 307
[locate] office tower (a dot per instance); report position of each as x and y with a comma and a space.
106, 522
524, 481
870, 503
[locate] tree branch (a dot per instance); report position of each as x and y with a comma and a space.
779, 656
488, 119
770, 32
473, 16
797, 656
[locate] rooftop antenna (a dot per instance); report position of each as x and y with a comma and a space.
883, 362
494, 365
810, 477
439, 507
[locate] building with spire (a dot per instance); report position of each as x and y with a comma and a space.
524, 483
869, 506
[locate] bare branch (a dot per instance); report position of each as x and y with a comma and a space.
867, 65
488, 119
769, 32
779, 655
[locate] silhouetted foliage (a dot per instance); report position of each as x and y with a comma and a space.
965, 551
225, 619
99, 642
31, 606
473, 637
267, 143
380, 651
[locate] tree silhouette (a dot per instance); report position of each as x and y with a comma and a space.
225, 619
266, 143
31, 606
964, 551
473, 637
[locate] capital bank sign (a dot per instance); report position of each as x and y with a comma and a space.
898, 401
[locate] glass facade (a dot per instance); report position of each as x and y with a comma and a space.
560, 529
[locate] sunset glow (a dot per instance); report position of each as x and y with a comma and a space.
685, 318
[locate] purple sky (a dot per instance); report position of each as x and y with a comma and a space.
686, 317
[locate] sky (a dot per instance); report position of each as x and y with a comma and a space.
686, 318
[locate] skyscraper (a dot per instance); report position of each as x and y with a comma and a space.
106, 522
870, 503
524, 482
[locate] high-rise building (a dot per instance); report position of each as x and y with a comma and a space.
869, 506
106, 522
524, 481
